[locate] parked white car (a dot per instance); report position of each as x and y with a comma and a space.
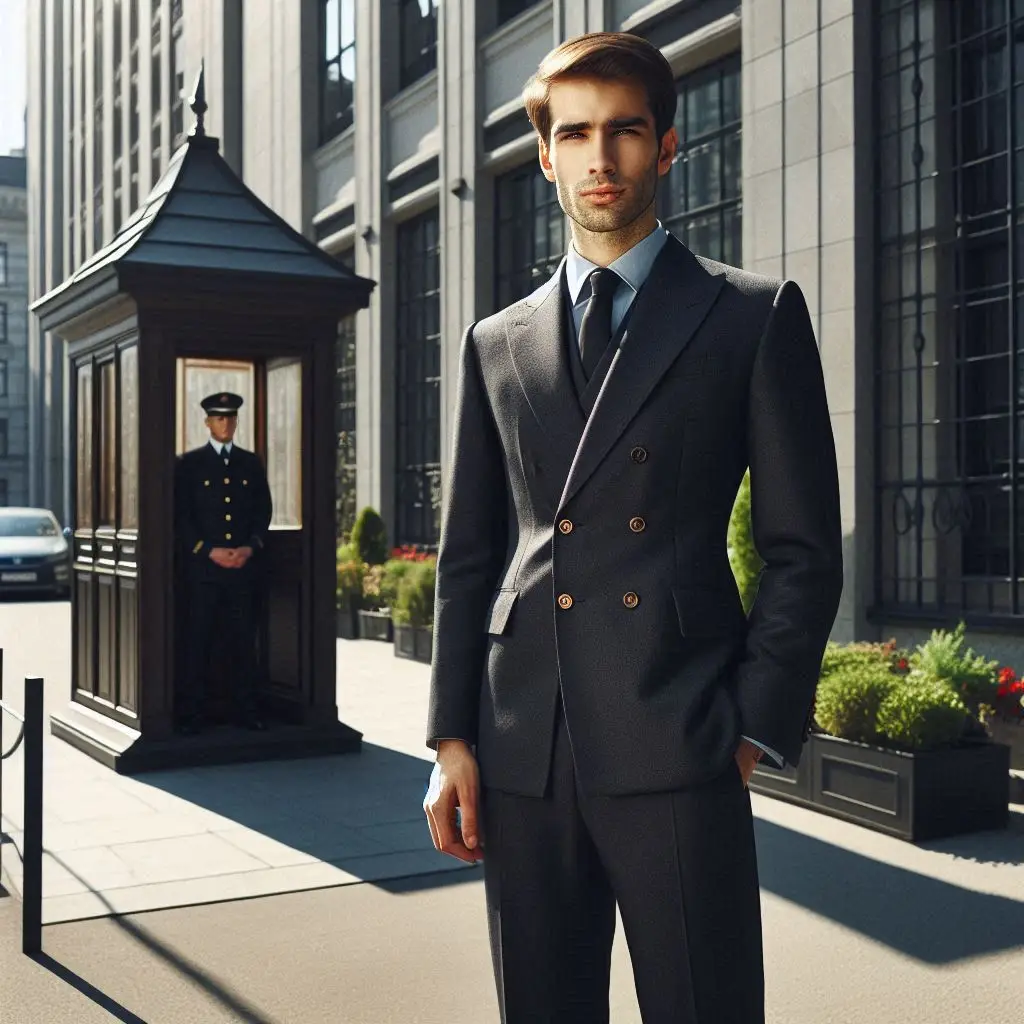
34, 555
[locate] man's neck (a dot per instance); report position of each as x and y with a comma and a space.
603, 248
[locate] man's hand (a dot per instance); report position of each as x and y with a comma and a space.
454, 782
747, 755
242, 555
224, 557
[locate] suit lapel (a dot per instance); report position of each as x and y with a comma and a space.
537, 343
677, 296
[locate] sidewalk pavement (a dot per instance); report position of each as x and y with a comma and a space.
859, 928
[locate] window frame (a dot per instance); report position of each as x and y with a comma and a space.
346, 114
412, 66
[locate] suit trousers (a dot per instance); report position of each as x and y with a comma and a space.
221, 606
681, 866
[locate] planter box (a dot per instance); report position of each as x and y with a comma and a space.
915, 796
347, 627
1012, 734
415, 642
374, 625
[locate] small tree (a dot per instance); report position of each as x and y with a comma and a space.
743, 557
369, 536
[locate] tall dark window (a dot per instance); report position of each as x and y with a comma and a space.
418, 395
3, 323
4, 450
530, 238
3, 263
3, 493
418, 39
345, 421
950, 359
338, 67
508, 9
700, 199
3, 378
177, 84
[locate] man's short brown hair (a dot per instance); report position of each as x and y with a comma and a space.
613, 56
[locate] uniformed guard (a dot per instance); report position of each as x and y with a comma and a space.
222, 513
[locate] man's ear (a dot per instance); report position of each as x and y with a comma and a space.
667, 151
545, 159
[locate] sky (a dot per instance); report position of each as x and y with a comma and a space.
13, 76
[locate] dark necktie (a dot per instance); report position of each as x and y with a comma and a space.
596, 326
226, 454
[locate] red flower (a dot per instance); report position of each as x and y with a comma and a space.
902, 664
1007, 675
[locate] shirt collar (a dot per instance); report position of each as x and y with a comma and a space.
218, 446
632, 266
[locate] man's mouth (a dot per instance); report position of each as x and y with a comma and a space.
603, 195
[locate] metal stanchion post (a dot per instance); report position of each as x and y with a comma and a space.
32, 888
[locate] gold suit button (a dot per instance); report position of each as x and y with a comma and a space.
565, 526
227, 519
227, 536
637, 525
228, 500
638, 454
630, 600
227, 480
206, 482
564, 601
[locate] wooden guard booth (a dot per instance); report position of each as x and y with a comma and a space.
203, 289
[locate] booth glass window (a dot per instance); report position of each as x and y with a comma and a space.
337, 67
418, 375
108, 444
129, 412
284, 442
700, 201
83, 456
198, 378
530, 237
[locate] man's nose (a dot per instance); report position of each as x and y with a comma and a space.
602, 154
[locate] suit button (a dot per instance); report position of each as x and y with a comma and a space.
564, 601
227, 536
228, 500
637, 525
565, 526
638, 454
630, 600
227, 519
227, 480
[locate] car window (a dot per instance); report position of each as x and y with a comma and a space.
27, 526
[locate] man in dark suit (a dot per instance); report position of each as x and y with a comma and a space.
222, 512
598, 698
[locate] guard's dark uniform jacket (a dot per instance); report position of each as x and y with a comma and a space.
220, 505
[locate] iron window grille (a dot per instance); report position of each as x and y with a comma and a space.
700, 199
337, 67
949, 372
418, 383
417, 28
530, 239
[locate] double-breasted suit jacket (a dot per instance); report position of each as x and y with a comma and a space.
583, 544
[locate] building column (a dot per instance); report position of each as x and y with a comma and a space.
576, 17
807, 214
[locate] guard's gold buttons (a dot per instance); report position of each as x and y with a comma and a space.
245, 482
638, 454
564, 601
207, 483
227, 519
565, 526
227, 479
637, 525
227, 536
228, 500
630, 600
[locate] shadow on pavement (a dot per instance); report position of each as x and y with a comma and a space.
925, 918
351, 810
238, 1007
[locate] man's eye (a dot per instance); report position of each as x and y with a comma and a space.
573, 135
626, 131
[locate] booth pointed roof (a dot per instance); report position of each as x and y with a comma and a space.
200, 216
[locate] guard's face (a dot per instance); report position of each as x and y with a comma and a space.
603, 154
222, 428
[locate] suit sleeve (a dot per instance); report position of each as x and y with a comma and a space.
796, 526
471, 554
193, 544
263, 506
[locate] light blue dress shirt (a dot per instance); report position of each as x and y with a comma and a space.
633, 267
219, 446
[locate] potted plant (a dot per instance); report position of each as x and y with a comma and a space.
413, 611
348, 590
369, 539
900, 743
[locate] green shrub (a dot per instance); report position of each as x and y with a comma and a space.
349, 584
856, 656
373, 577
395, 570
743, 557
921, 713
369, 535
347, 553
968, 675
414, 605
849, 697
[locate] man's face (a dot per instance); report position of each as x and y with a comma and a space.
222, 428
604, 154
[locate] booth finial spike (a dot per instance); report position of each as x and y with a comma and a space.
197, 101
